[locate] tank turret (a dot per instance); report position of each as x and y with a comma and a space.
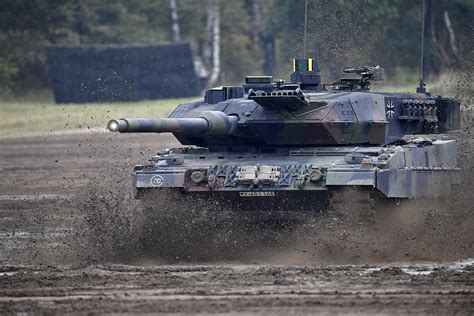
302, 112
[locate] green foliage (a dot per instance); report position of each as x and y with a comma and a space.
241, 54
257, 36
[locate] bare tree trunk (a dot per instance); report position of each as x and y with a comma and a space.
262, 35
207, 46
257, 19
174, 21
452, 37
269, 51
216, 37
438, 48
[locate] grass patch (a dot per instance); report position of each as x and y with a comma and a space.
29, 117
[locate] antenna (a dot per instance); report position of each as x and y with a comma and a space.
305, 26
421, 88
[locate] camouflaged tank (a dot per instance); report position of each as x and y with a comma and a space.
277, 145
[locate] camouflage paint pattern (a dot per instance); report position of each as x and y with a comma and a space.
267, 138
421, 168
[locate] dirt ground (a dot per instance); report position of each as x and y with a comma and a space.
69, 231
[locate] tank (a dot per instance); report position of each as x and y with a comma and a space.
296, 146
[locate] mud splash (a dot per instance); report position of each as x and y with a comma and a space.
121, 229
77, 208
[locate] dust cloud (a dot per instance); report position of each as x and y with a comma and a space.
187, 230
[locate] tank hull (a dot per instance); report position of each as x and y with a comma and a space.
303, 179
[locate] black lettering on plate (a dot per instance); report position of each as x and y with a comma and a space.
257, 194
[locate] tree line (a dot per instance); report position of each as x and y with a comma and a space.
231, 39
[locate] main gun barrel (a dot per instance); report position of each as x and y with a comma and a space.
158, 125
209, 122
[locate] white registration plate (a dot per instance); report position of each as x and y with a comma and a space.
256, 194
